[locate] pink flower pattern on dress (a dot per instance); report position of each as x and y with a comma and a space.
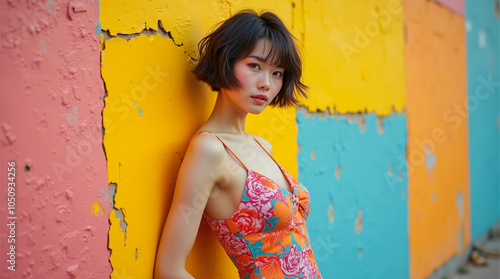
248, 221
293, 262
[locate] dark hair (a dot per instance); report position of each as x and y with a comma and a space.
236, 38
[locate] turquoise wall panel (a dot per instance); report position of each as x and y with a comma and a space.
483, 75
356, 177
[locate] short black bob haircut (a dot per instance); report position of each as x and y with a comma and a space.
235, 39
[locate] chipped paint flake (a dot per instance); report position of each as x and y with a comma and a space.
338, 171
460, 204
468, 26
71, 118
97, 209
331, 214
481, 38
430, 161
358, 224
313, 155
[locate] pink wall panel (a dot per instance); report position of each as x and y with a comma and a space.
50, 125
457, 6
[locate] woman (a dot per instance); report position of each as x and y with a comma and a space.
254, 206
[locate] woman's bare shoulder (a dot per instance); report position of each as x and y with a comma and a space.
206, 145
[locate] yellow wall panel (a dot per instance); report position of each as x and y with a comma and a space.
437, 155
350, 47
153, 106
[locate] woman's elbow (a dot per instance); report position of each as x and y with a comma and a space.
167, 271
163, 271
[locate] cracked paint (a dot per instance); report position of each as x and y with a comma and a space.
181, 20
139, 176
146, 91
128, 175
117, 211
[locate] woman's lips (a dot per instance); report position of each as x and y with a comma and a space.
260, 98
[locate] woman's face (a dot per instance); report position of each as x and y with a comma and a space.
260, 80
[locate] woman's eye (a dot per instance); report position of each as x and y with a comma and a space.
278, 74
254, 66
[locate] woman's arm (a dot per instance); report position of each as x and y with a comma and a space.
197, 174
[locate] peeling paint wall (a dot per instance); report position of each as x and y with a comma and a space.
397, 143
51, 98
148, 51
483, 83
139, 102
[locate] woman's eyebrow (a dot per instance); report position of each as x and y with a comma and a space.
258, 58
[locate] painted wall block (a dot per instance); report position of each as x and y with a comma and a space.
355, 170
439, 210
50, 117
483, 84
354, 63
149, 87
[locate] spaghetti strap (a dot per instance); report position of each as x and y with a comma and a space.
265, 150
225, 146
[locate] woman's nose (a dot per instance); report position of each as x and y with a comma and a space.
264, 82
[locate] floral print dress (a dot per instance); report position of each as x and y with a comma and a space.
267, 236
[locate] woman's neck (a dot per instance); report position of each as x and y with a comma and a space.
227, 117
